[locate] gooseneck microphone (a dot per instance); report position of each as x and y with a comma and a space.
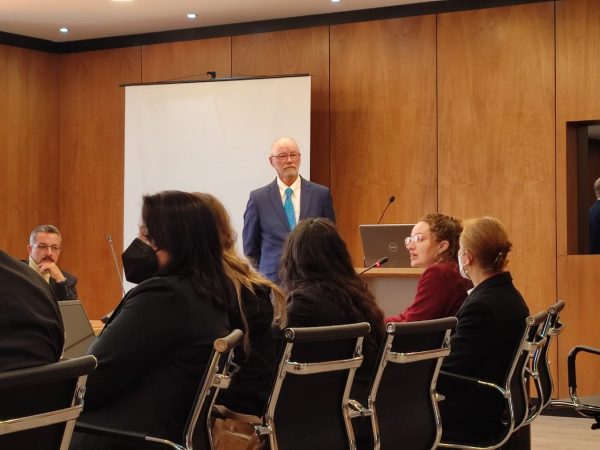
380, 262
390, 201
112, 249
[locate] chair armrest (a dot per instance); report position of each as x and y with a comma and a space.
356, 409
472, 380
571, 360
88, 428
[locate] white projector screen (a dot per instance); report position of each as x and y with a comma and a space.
213, 136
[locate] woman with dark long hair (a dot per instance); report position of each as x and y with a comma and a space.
323, 288
153, 352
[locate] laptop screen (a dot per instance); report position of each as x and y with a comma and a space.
385, 240
79, 334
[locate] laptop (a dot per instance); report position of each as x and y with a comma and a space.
379, 240
79, 334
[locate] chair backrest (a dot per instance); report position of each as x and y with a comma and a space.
197, 432
552, 327
310, 393
531, 341
402, 396
39, 405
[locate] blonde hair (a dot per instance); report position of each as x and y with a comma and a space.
238, 270
486, 239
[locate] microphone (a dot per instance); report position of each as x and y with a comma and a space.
380, 262
390, 201
112, 249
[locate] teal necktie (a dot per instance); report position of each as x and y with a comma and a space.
288, 206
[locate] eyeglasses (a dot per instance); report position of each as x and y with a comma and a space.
415, 238
283, 157
44, 247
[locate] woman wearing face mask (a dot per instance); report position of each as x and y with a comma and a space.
441, 290
153, 351
490, 325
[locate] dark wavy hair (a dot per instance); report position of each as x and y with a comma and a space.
179, 223
315, 257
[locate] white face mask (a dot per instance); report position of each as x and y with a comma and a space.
461, 267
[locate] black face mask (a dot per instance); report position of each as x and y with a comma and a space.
139, 261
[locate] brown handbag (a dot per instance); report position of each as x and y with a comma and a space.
234, 431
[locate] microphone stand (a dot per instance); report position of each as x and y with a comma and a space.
380, 262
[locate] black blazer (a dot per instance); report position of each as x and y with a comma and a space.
490, 325
31, 328
151, 358
313, 308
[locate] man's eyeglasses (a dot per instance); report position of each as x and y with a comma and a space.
44, 247
283, 157
415, 238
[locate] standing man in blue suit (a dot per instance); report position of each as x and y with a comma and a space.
275, 209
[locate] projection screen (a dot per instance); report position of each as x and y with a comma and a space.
212, 136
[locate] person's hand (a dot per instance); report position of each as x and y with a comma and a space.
51, 268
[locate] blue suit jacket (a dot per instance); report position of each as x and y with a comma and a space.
594, 221
266, 226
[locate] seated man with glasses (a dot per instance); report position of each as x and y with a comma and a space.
44, 248
275, 209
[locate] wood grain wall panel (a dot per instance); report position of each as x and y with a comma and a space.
578, 285
92, 114
29, 171
496, 132
304, 50
577, 99
188, 60
383, 123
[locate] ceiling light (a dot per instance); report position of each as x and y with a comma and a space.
191, 15
335, 1
63, 29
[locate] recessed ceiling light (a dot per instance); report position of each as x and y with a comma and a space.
191, 15
63, 29
335, 1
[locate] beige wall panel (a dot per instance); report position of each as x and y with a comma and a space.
29, 170
91, 167
577, 98
290, 52
188, 60
383, 123
496, 132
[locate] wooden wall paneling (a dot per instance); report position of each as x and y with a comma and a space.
383, 123
28, 145
303, 50
577, 99
579, 288
92, 113
188, 60
496, 132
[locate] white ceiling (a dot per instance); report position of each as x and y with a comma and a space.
88, 19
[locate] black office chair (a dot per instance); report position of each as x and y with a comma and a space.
539, 368
402, 400
513, 391
196, 434
308, 404
39, 405
585, 406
